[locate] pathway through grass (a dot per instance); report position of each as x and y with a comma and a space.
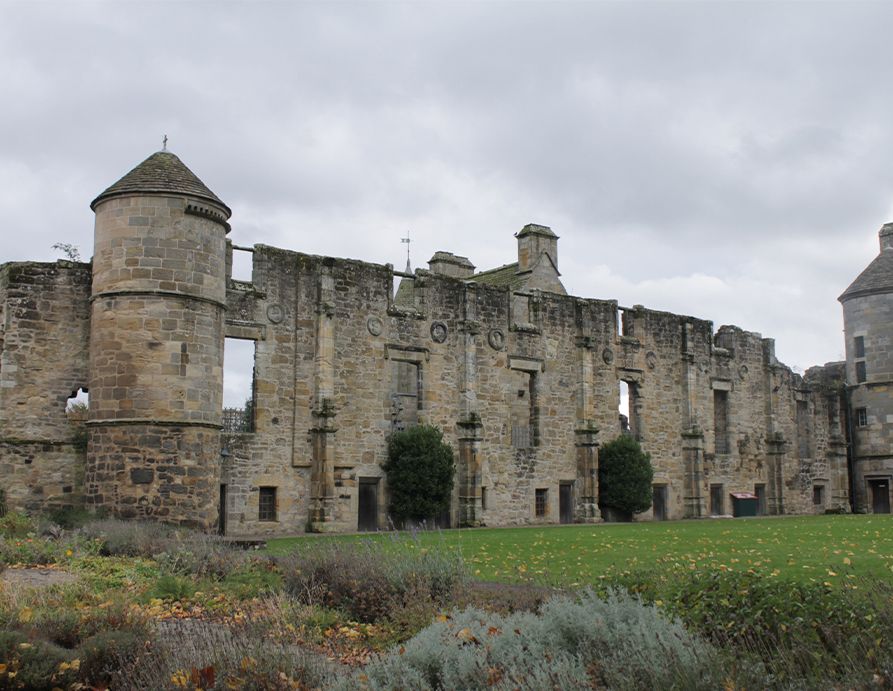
804, 548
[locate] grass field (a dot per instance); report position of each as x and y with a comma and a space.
825, 549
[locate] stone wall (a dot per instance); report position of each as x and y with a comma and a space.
44, 326
519, 383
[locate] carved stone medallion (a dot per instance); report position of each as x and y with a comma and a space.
375, 326
651, 359
742, 371
275, 313
608, 356
438, 332
496, 339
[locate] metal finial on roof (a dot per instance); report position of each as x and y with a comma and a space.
406, 240
164, 143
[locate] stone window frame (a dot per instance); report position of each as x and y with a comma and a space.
725, 387
818, 495
861, 372
267, 504
541, 502
861, 415
533, 367
859, 346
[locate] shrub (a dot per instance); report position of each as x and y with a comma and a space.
586, 643
37, 665
16, 524
105, 652
624, 476
420, 472
369, 581
129, 538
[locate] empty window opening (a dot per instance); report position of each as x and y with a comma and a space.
405, 394
523, 409
77, 405
859, 346
541, 502
266, 504
404, 291
861, 373
627, 325
628, 409
483, 498
721, 422
238, 385
818, 494
861, 417
804, 439
243, 264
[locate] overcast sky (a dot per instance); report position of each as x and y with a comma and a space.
729, 161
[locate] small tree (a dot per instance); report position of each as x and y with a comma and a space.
420, 472
624, 476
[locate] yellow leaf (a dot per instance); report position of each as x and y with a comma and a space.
846, 560
2, 668
25, 615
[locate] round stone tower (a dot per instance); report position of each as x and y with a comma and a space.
156, 346
868, 329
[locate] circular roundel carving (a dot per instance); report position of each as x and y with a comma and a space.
375, 326
496, 339
608, 356
275, 313
742, 371
651, 359
704, 366
438, 332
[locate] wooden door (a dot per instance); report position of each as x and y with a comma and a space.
367, 509
566, 502
880, 496
659, 502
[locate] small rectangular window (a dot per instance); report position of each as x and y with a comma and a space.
721, 421
859, 346
861, 417
483, 498
542, 502
818, 494
861, 374
266, 504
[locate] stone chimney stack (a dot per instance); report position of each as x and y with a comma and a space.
533, 242
886, 237
449, 264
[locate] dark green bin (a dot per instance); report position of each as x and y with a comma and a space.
744, 504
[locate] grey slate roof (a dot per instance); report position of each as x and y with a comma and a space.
877, 278
504, 276
161, 173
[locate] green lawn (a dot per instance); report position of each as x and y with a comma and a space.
806, 548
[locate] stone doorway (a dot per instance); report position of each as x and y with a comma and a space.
659, 502
367, 509
566, 502
716, 500
880, 496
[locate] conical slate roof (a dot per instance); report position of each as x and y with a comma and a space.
877, 278
161, 173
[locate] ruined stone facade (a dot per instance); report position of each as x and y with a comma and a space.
523, 379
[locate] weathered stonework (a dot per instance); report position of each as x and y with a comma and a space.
523, 379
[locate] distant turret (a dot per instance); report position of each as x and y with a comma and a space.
868, 329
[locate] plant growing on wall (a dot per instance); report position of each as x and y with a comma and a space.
624, 476
420, 471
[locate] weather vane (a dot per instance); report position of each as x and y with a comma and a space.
164, 143
406, 240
